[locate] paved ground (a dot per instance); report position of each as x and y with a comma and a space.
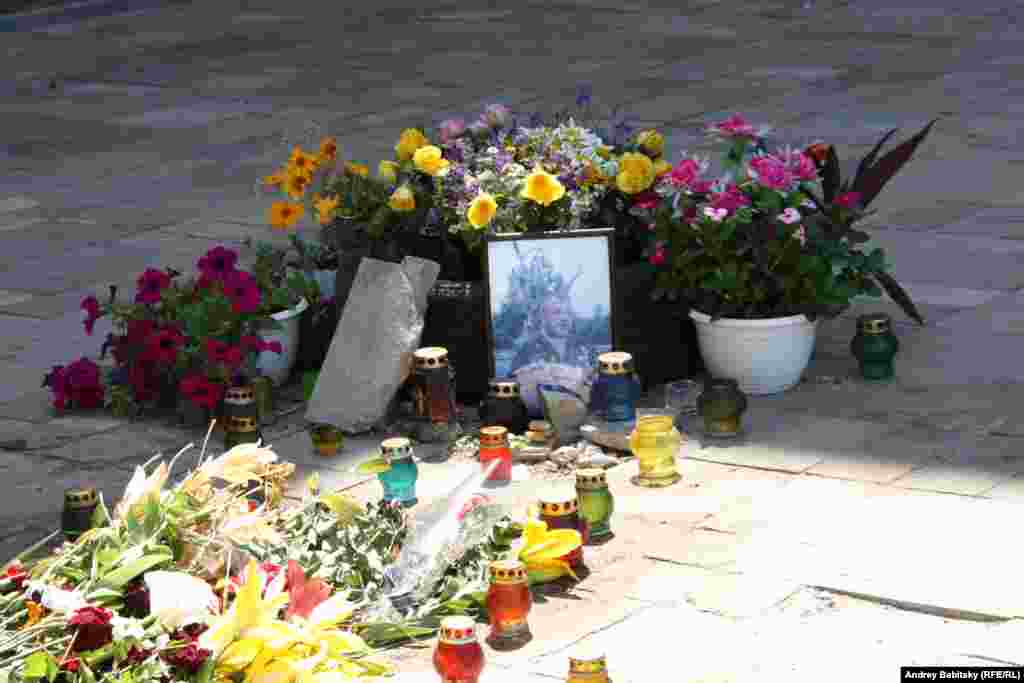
136, 139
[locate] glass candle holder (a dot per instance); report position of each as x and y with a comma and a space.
722, 405
399, 481
494, 446
561, 511
681, 396
588, 669
508, 603
458, 657
79, 505
238, 430
655, 442
596, 503
433, 388
875, 346
616, 388
240, 402
504, 407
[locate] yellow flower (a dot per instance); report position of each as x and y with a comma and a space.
302, 162
652, 142
661, 167
325, 209
542, 187
402, 199
250, 615
482, 210
388, 170
295, 184
636, 173
410, 141
328, 150
352, 168
540, 549
276, 180
285, 214
35, 613
429, 160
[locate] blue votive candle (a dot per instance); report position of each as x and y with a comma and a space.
399, 482
616, 389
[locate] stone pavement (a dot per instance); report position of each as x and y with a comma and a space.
137, 139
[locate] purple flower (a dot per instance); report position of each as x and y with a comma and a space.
150, 284
218, 262
568, 180
450, 129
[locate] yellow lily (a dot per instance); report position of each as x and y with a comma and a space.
540, 548
250, 613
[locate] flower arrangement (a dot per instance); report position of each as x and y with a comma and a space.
759, 242
191, 338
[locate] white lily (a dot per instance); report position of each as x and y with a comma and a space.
177, 598
141, 488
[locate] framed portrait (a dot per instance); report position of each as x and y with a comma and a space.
550, 307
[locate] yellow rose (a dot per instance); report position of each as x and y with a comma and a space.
661, 167
325, 209
482, 210
429, 160
652, 142
542, 187
636, 173
410, 141
388, 170
402, 199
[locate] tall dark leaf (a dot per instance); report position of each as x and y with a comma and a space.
875, 177
899, 295
869, 158
830, 176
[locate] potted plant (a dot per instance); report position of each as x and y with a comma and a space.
178, 339
761, 257
281, 304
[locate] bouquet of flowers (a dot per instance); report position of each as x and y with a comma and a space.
759, 242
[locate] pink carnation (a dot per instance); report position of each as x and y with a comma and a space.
736, 127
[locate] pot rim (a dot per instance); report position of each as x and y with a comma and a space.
787, 321
292, 312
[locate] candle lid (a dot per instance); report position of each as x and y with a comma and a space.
615, 363
81, 497
397, 448
539, 426
457, 630
493, 436
241, 424
591, 478
431, 357
874, 323
245, 394
508, 571
503, 388
558, 503
587, 663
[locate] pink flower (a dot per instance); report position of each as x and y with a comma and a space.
789, 216
800, 234
730, 199
243, 291
802, 167
92, 313
771, 172
737, 127
702, 186
450, 129
848, 200
716, 215
217, 263
684, 173
150, 284
646, 200
471, 504
659, 256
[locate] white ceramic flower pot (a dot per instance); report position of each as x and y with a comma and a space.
765, 356
277, 366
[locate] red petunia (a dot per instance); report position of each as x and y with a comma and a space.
91, 306
142, 376
163, 345
221, 352
244, 292
151, 283
202, 391
218, 263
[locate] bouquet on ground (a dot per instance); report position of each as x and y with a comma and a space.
760, 242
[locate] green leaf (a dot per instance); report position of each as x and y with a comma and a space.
119, 578
876, 260
38, 665
857, 236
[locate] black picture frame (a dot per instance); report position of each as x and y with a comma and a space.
546, 239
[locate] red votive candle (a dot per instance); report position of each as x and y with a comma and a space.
458, 657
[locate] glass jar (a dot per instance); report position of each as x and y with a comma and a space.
79, 505
874, 346
596, 503
508, 603
494, 446
399, 480
560, 510
616, 389
239, 430
433, 386
722, 405
655, 442
458, 657
504, 406
588, 669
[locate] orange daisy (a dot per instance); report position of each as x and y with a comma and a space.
285, 214
325, 209
275, 180
328, 150
296, 184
